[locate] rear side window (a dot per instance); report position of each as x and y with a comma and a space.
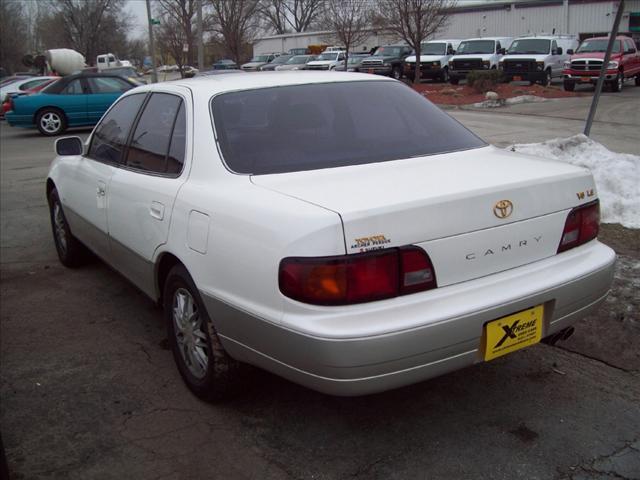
110, 136
152, 137
307, 127
74, 88
108, 85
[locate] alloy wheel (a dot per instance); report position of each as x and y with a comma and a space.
51, 122
60, 228
190, 335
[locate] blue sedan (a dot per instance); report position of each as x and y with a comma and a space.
73, 101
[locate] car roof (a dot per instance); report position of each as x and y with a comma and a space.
619, 37
488, 38
207, 86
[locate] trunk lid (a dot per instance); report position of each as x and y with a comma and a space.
445, 203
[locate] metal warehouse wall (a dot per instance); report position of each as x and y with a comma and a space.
528, 18
485, 20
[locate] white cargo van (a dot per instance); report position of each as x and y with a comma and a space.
476, 54
538, 58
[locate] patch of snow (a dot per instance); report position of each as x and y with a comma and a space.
501, 102
617, 175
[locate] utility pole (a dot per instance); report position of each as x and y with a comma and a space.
154, 74
200, 38
605, 63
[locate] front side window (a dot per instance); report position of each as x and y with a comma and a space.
110, 136
74, 88
152, 136
108, 85
314, 126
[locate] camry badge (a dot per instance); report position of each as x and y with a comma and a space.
503, 209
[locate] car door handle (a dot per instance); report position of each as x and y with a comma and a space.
157, 210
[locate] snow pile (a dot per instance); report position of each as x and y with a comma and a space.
501, 102
617, 175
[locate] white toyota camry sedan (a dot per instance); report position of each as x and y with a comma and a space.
336, 229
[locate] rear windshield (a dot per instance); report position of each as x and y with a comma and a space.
308, 127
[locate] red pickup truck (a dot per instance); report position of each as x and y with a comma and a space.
585, 64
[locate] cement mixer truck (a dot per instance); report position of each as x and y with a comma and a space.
64, 61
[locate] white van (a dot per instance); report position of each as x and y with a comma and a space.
434, 60
538, 58
476, 54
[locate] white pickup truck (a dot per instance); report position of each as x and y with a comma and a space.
477, 54
538, 59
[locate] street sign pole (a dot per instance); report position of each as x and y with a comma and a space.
200, 38
154, 74
605, 63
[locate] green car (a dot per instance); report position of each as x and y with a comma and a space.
73, 101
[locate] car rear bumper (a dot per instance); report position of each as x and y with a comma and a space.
448, 336
19, 120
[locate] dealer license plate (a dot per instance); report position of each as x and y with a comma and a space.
513, 332
517, 78
585, 80
371, 70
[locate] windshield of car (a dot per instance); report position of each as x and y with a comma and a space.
476, 46
598, 46
328, 56
260, 58
281, 59
298, 60
307, 127
530, 46
433, 48
388, 52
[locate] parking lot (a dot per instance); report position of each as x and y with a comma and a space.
89, 387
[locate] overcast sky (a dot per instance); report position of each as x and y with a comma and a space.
138, 10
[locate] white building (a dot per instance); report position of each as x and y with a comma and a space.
585, 18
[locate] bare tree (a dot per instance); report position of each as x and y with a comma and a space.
414, 21
236, 22
274, 14
349, 20
182, 14
92, 26
13, 38
171, 39
283, 15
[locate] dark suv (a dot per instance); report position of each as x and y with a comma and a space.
387, 60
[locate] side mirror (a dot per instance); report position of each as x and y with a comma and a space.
69, 146
557, 51
570, 51
502, 51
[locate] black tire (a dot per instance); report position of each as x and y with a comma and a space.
51, 122
454, 81
546, 81
616, 85
71, 252
569, 86
396, 73
445, 75
637, 80
219, 377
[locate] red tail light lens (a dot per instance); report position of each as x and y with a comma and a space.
358, 278
582, 225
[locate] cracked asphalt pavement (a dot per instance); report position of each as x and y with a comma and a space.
89, 389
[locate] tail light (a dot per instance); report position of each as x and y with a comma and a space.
357, 278
582, 225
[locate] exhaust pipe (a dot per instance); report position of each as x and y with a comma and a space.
563, 334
